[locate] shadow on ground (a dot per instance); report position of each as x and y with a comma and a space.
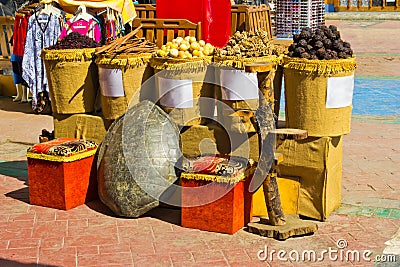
8, 263
16, 169
166, 214
7, 104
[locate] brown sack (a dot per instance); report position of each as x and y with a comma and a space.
72, 78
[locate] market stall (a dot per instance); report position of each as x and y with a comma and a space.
165, 91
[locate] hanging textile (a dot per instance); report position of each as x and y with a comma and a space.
18, 41
19, 36
89, 28
43, 31
125, 7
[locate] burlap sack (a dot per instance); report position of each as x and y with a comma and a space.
135, 71
244, 121
72, 78
306, 95
197, 70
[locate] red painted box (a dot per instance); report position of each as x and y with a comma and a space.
212, 204
62, 173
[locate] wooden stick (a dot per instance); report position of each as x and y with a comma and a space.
117, 42
128, 36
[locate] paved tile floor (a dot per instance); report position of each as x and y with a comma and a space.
90, 235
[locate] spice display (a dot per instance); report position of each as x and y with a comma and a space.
187, 47
74, 40
248, 44
128, 44
323, 43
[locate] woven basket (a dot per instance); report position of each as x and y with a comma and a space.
135, 71
72, 78
306, 86
244, 120
196, 70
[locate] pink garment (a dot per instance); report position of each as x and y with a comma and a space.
87, 28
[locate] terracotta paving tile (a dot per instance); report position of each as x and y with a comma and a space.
103, 221
122, 259
58, 257
106, 230
169, 237
126, 222
219, 263
29, 216
87, 250
78, 223
207, 256
4, 244
52, 243
144, 248
19, 253
4, 218
17, 224
183, 264
90, 240
75, 213
156, 260
13, 207
19, 262
50, 229
14, 232
24, 243
162, 229
181, 257
232, 254
171, 247
45, 216
128, 232
119, 247
277, 263
247, 263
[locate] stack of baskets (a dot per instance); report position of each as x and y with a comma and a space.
73, 85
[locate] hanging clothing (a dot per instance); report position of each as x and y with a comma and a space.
43, 31
89, 28
18, 42
20, 28
16, 62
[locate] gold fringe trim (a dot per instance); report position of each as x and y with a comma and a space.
321, 67
240, 62
85, 54
125, 61
187, 65
218, 179
72, 158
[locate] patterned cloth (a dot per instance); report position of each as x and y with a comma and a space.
89, 28
125, 7
63, 147
217, 165
43, 31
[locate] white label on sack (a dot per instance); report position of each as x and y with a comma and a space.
340, 92
111, 82
238, 85
175, 93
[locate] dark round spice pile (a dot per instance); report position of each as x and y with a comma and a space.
323, 43
74, 40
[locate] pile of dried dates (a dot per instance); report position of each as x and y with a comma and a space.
74, 40
323, 43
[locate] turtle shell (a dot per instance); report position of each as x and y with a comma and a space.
137, 160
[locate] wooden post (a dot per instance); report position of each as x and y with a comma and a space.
267, 139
